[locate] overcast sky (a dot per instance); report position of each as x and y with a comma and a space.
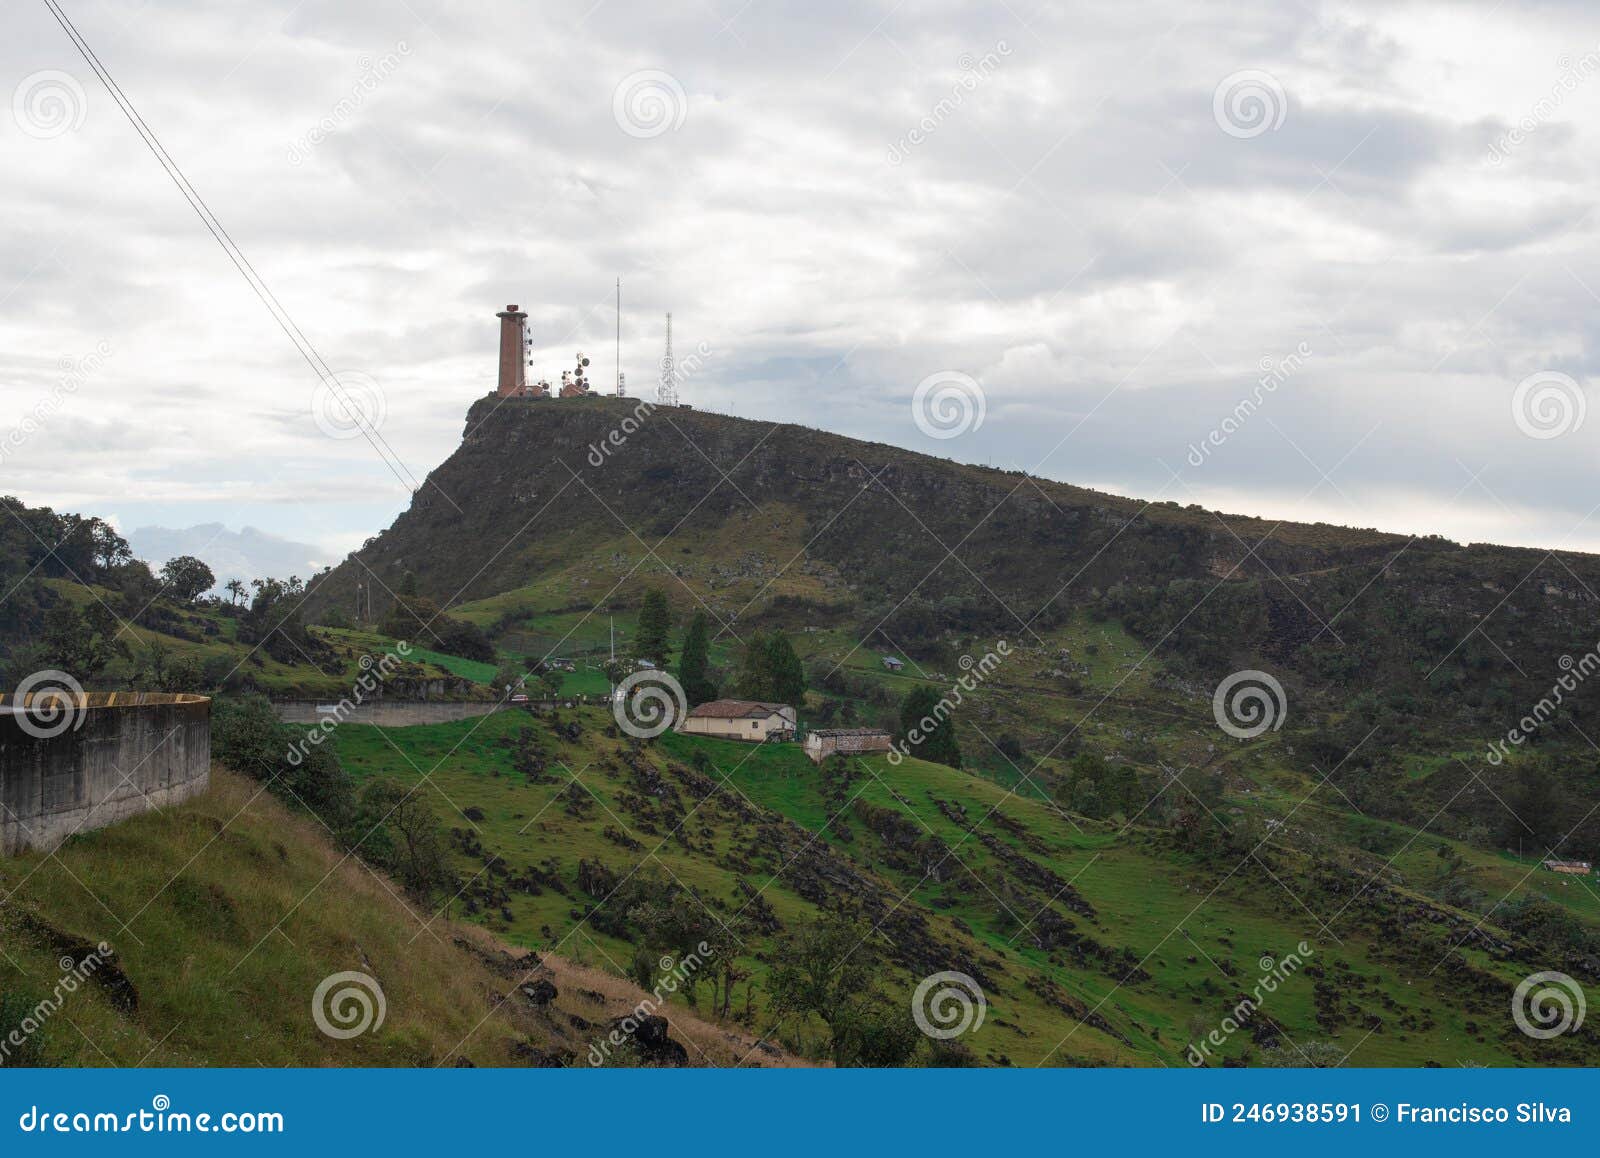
1109, 217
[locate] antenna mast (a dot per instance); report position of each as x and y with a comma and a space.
667, 391
622, 387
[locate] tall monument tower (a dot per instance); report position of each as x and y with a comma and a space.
513, 352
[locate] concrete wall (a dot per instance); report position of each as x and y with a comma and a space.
385, 713
757, 728
111, 755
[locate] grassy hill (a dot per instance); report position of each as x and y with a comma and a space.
1094, 942
226, 913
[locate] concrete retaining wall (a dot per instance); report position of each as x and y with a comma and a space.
102, 758
385, 713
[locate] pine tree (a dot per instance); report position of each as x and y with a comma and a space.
786, 675
652, 638
754, 678
936, 731
694, 665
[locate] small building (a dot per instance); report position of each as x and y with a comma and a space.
1576, 867
741, 720
892, 664
824, 742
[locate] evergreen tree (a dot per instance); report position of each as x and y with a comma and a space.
771, 670
652, 640
936, 731
694, 664
786, 675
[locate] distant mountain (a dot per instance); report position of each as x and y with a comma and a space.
247, 554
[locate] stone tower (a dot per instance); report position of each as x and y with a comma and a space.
513, 352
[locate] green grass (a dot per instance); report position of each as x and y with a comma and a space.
1151, 902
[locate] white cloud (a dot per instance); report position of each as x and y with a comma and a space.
1077, 233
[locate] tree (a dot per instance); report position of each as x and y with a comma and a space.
787, 675
652, 638
507, 679
827, 968
928, 726
80, 643
694, 664
235, 589
186, 578
402, 835
552, 680
771, 671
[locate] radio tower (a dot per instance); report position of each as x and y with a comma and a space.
622, 383
667, 391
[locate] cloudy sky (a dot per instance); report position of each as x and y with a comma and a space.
1318, 261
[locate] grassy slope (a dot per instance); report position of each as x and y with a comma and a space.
982, 911
226, 912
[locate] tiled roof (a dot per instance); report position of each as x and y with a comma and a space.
736, 709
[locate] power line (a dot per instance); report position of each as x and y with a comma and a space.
236, 255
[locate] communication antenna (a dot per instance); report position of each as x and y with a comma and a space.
622, 386
667, 390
